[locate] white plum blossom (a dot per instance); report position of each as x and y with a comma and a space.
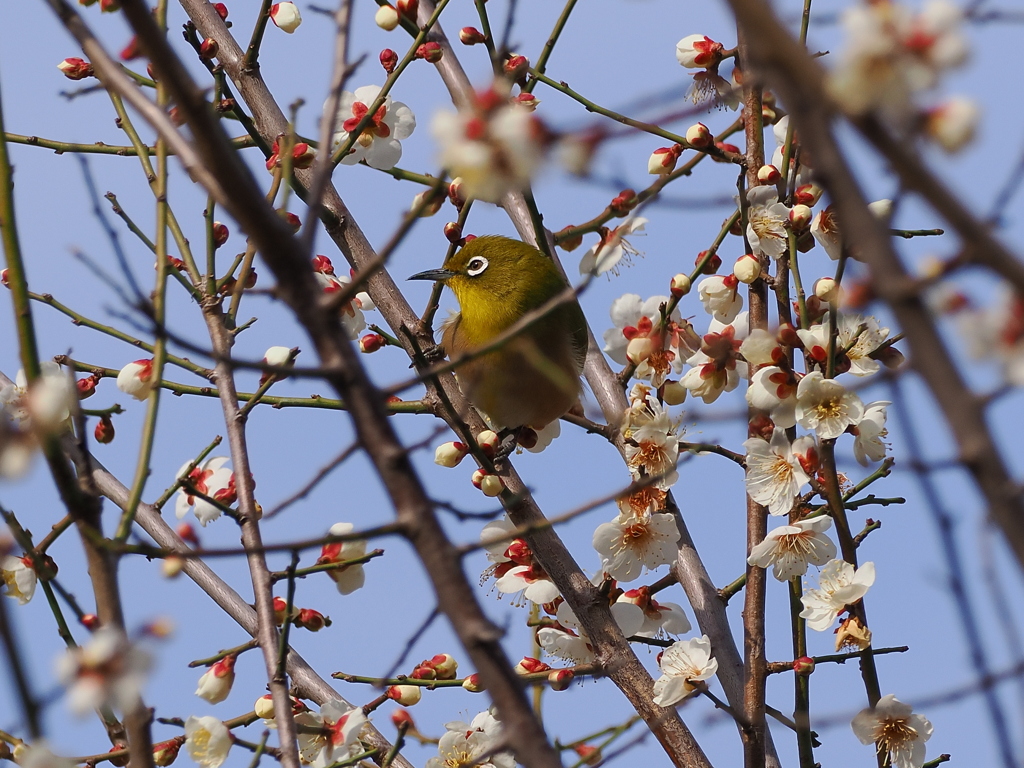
535, 585
789, 549
893, 53
773, 389
868, 433
713, 368
839, 585
824, 406
638, 337
766, 222
19, 578
895, 730
514, 567
568, 640
136, 379
107, 670
472, 745
351, 577
494, 147
857, 337
210, 478
659, 618
775, 471
684, 665
651, 445
633, 542
339, 726
720, 296
46, 404
825, 230
352, 313
610, 250
207, 740
38, 755
379, 143
698, 52
997, 332
952, 124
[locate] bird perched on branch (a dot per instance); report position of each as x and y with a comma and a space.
534, 377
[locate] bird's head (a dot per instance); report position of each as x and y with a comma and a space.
494, 271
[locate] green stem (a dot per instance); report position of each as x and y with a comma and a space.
252, 53
333, 566
99, 148
549, 46
801, 683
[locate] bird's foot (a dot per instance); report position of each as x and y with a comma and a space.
513, 439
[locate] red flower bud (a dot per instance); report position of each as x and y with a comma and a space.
293, 221
560, 679
104, 431
453, 232
87, 386
371, 342
431, 52
90, 621
713, 264
388, 60
803, 666
312, 620
188, 534
222, 10
209, 48
75, 68
407, 8
131, 51
515, 66
220, 234
624, 202
471, 36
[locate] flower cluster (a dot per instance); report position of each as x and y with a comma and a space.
379, 141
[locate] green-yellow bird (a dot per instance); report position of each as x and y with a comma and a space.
534, 378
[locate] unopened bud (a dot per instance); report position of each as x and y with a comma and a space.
680, 285
673, 393
450, 454
471, 36
90, 621
220, 234
408, 8
663, 160
560, 679
312, 620
453, 232
768, 174
427, 203
386, 17
406, 695
165, 752
371, 342
118, 760
590, 755
800, 217
472, 683
292, 221
401, 717
698, 136
86, 387
264, 706
488, 441
431, 52
445, 665
209, 49
827, 290
172, 566
104, 432
5, 279
803, 666
75, 68
711, 266
388, 60
624, 202
491, 485
515, 66
285, 16
530, 665
568, 244
455, 194
527, 101
222, 10
188, 534
807, 194
747, 268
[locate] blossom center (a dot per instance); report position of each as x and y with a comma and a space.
894, 734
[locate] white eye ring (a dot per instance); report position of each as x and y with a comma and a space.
476, 265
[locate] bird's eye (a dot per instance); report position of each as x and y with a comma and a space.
476, 265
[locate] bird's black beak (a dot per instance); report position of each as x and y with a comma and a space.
433, 274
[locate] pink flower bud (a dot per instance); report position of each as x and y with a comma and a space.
590, 755
445, 666
209, 48
166, 752
800, 217
527, 101
453, 232
530, 665
768, 174
323, 265
488, 441
673, 393
450, 454
187, 534
75, 68
747, 269
455, 194
386, 17
104, 432
472, 683
560, 679
803, 666
312, 620
286, 16
680, 285
431, 52
568, 244
624, 202
293, 221
663, 160
280, 607
471, 36
515, 66
491, 485
807, 194
408, 8
698, 136
698, 52
87, 387
371, 342
401, 717
109, 6
302, 155
118, 761
424, 671
406, 695
4, 278
222, 10
711, 266
220, 234
388, 60
90, 621
827, 289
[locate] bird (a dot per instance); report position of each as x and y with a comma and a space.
534, 378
